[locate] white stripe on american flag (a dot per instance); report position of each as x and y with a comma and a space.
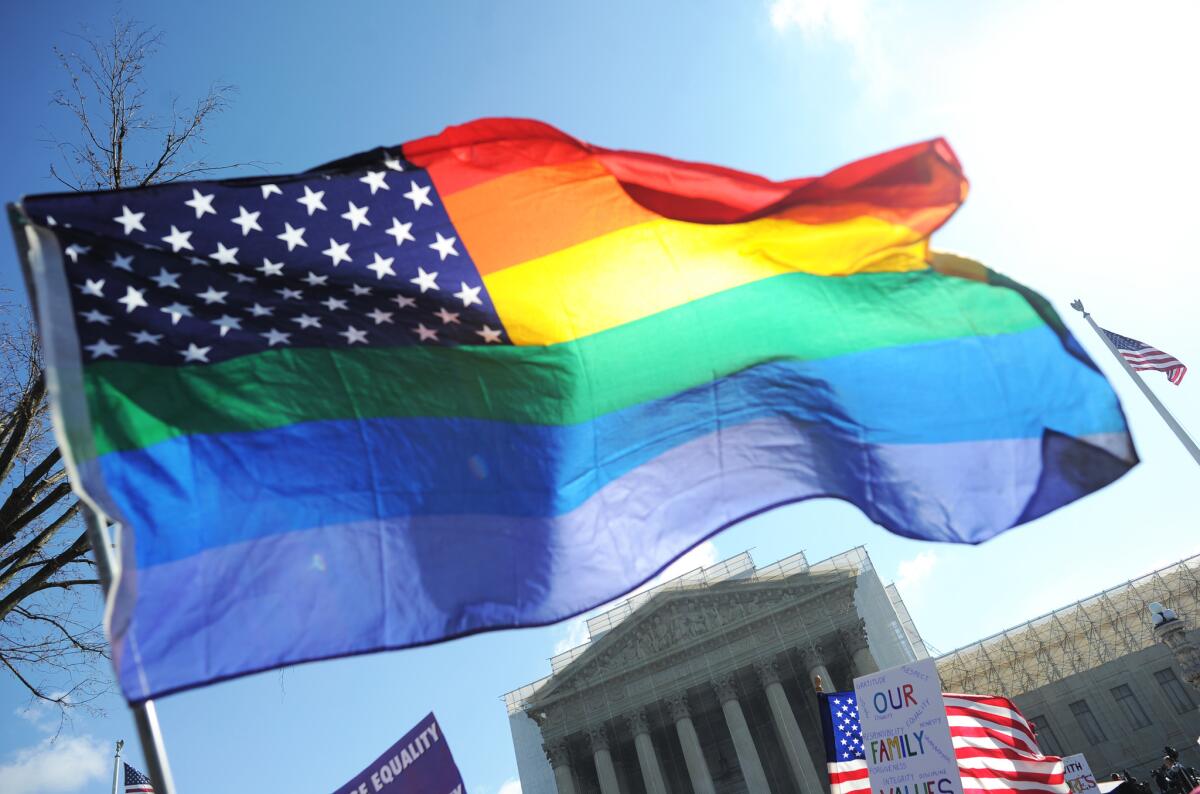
995, 748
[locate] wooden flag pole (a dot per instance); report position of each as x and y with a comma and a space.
1176, 428
144, 714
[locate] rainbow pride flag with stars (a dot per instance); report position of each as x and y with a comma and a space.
498, 376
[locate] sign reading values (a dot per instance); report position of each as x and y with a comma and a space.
1078, 774
420, 763
906, 734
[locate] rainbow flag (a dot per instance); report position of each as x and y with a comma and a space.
498, 376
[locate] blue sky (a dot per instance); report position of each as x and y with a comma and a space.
1075, 121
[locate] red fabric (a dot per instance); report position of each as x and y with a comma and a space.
920, 175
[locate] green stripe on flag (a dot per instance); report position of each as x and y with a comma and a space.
793, 316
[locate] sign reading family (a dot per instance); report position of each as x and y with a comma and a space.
906, 734
420, 763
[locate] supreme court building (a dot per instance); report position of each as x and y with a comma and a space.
706, 683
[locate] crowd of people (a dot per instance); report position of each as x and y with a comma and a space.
1171, 777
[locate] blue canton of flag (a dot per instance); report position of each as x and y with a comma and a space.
359, 253
136, 782
846, 733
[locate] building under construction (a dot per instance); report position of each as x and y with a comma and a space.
1092, 677
705, 683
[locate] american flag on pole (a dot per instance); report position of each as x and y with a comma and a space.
1141, 356
993, 743
136, 782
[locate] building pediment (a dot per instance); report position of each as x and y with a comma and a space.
674, 622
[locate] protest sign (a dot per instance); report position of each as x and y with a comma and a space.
1078, 775
906, 734
420, 763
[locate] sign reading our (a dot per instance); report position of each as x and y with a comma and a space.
906, 734
420, 763
1078, 774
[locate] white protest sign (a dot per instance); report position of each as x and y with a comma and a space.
1078, 774
906, 735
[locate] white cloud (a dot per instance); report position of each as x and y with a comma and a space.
54, 766
576, 633
512, 786
911, 574
42, 715
575, 630
839, 20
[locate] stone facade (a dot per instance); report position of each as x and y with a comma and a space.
709, 688
1119, 714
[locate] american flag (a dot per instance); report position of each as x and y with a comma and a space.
993, 743
360, 253
136, 782
1141, 356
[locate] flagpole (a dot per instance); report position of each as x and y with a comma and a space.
144, 714
1176, 428
117, 765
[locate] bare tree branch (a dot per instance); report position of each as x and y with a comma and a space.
41, 576
46, 575
120, 144
19, 560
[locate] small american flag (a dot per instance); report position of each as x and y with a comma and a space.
1141, 356
993, 743
136, 782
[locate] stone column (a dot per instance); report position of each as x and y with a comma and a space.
814, 660
794, 748
652, 774
693, 755
743, 742
855, 640
560, 762
604, 765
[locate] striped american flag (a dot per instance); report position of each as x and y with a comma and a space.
136, 782
1141, 356
994, 744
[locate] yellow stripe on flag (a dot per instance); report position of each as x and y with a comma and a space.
644, 269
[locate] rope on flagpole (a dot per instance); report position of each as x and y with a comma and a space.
1176, 428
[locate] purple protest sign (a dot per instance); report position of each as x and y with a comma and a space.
420, 763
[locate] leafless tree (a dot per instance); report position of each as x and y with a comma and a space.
120, 143
50, 638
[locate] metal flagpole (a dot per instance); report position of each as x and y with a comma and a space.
1177, 428
117, 765
144, 714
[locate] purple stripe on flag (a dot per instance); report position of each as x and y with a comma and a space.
394, 583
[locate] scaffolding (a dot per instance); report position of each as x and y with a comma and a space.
1074, 638
740, 567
